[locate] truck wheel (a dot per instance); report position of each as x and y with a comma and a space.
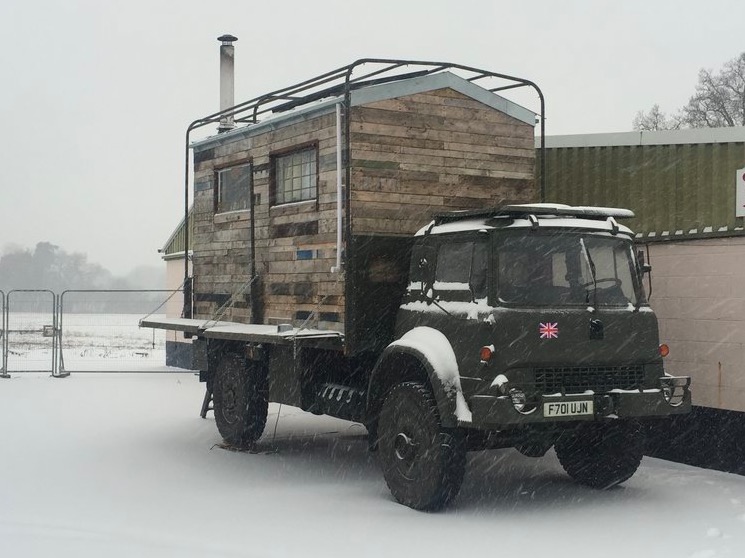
601, 455
239, 401
423, 463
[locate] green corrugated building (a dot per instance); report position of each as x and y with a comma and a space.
687, 189
680, 183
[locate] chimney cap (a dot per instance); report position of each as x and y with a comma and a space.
227, 38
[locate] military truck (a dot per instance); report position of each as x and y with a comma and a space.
523, 326
321, 280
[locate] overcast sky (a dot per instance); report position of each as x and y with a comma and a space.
95, 95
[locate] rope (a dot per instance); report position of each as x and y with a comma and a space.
220, 312
316, 309
276, 423
162, 304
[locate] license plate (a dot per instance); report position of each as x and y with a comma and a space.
567, 409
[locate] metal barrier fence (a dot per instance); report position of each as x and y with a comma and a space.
3, 337
81, 331
30, 327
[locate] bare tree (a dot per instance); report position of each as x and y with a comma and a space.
655, 119
720, 97
719, 101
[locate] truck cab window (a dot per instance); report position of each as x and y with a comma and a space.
461, 272
479, 270
555, 270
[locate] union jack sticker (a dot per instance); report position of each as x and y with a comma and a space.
549, 330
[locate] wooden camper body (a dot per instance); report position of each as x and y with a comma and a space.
416, 147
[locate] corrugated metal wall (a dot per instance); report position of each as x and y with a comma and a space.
671, 188
175, 244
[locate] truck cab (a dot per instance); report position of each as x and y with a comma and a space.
532, 324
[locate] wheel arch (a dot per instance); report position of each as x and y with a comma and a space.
425, 355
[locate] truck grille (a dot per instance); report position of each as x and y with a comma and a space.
577, 379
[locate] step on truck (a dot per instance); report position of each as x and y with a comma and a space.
365, 275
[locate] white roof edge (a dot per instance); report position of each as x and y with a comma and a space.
175, 256
325, 106
733, 134
442, 80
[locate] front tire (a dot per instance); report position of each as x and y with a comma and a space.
423, 463
239, 400
601, 455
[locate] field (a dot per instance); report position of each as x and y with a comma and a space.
85, 342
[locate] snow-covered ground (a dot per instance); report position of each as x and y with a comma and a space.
121, 465
88, 342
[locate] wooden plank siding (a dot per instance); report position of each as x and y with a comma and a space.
409, 157
433, 152
290, 289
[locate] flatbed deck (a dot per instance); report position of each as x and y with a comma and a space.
256, 333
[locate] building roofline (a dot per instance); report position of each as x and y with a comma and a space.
734, 134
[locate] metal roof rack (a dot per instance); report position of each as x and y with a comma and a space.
538, 210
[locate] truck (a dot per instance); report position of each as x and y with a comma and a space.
405, 298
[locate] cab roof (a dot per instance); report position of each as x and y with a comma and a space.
534, 216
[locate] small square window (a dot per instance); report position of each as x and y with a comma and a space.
295, 176
233, 186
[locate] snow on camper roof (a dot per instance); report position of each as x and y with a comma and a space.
530, 215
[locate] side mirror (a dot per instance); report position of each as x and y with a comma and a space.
644, 267
422, 269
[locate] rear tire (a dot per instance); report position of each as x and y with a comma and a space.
423, 463
239, 400
601, 455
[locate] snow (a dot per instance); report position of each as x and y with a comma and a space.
437, 350
451, 286
481, 224
500, 380
88, 342
121, 465
235, 330
478, 310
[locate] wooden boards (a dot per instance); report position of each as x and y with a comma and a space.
433, 152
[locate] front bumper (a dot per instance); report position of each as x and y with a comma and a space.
496, 411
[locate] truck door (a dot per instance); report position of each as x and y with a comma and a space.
461, 288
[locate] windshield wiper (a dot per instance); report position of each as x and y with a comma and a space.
591, 265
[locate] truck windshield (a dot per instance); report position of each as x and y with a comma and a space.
556, 270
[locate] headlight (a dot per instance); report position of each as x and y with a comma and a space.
674, 389
520, 402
